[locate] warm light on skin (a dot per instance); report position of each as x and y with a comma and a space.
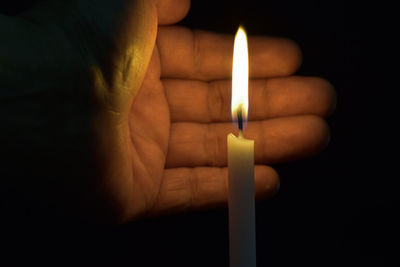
240, 76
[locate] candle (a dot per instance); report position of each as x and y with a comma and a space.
242, 239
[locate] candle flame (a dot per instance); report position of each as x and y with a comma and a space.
240, 77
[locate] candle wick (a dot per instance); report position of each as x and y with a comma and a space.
240, 119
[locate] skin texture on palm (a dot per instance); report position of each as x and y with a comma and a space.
149, 109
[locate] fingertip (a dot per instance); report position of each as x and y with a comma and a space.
293, 52
172, 11
267, 182
318, 132
327, 96
273, 57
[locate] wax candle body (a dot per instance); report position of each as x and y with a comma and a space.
242, 233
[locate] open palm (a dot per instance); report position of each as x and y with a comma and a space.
183, 116
158, 106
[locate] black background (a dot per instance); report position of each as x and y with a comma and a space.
336, 209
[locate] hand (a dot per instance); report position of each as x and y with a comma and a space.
115, 120
286, 113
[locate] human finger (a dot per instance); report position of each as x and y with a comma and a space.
199, 101
184, 189
203, 55
276, 140
172, 11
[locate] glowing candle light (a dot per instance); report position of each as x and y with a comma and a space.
242, 243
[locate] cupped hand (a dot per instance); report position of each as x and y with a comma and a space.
126, 119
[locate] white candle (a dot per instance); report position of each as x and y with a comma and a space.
242, 238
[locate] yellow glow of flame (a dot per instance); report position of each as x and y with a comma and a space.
240, 75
